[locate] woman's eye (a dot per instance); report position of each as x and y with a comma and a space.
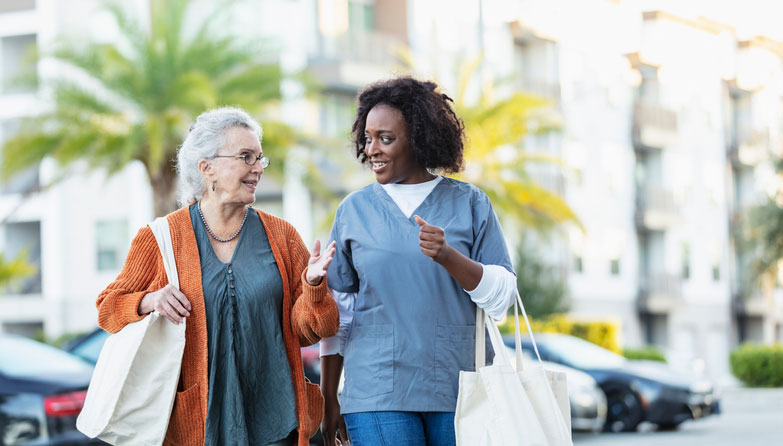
385, 139
367, 140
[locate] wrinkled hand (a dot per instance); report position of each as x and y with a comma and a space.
333, 423
168, 301
319, 263
432, 240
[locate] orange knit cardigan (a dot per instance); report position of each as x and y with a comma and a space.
309, 313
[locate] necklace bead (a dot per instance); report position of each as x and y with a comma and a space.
212, 234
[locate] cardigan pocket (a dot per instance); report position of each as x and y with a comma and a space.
186, 426
314, 410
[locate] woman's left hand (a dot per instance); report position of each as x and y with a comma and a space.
432, 240
319, 263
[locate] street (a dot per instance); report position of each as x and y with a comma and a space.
750, 417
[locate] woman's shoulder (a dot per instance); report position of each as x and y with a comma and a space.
357, 198
464, 188
277, 227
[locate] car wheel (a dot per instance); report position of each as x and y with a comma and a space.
668, 426
624, 411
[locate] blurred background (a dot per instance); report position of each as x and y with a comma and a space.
631, 148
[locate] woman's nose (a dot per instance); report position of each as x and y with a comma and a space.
371, 148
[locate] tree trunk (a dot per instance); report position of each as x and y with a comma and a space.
164, 191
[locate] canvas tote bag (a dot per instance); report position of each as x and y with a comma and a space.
132, 390
498, 405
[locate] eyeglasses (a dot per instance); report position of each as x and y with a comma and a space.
250, 159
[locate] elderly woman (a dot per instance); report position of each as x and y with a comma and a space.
250, 289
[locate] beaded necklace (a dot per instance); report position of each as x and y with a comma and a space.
244, 219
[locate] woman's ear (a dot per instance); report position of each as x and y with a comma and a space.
205, 167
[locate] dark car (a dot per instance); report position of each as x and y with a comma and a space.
42, 391
635, 391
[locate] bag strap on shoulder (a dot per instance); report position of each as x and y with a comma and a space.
162, 232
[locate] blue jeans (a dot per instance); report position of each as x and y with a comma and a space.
401, 428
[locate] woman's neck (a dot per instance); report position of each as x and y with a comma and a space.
221, 216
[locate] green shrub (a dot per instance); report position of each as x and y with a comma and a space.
758, 365
601, 333
648, 353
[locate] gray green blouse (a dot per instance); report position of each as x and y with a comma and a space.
251, 396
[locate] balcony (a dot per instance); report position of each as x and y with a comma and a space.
659, 292
351, 60
749, 146
540, 87
654, 126
656, 209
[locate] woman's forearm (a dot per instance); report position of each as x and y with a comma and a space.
331, 369
465, 271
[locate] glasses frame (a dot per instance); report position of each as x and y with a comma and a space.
245, 157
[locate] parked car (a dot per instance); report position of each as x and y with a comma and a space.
88, 346
635, 391
42, 391
587, 400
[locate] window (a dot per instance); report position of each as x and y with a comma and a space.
111, 242
26, 180
25, 237
337, 114
361, 15
578, 267
18, 64
686, 261
614, 267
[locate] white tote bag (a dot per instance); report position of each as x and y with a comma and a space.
498, 405
132, 390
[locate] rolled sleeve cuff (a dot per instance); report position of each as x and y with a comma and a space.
316, 293
127, 308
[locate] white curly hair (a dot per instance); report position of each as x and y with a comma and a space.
206, 137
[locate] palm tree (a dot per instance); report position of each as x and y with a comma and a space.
12, 270
142, 94
492, 127
763, 240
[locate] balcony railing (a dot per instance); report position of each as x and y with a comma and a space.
355, 58
539, 87
656, 208
359, 46
659, 292
749, 146
654, 126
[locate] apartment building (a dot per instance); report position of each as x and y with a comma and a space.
669, 125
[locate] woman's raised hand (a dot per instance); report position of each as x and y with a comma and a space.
319, 263
168, 301
432, 240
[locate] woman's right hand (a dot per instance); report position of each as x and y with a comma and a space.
168, 301
333, 422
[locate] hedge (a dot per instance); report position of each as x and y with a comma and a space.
758, 365
602, 333
648, 353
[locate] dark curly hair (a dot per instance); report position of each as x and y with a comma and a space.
435, 133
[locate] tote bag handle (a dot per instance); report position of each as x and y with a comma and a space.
480, 349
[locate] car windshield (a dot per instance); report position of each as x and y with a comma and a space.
90, 349
22, 357
580, 353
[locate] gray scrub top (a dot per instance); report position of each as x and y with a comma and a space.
251, 394
413, 325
